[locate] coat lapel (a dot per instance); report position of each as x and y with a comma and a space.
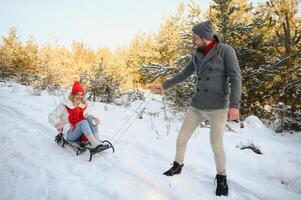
207, 58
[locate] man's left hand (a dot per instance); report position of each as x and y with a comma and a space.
233, 114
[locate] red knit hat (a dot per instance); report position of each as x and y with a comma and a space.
77, 88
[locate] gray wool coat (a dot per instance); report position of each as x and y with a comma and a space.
218, 83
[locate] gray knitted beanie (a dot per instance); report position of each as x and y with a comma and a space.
204, 30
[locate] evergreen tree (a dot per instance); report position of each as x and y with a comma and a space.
100, 85
177, 33
283, 35
18, 60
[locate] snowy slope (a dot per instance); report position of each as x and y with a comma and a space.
33, 166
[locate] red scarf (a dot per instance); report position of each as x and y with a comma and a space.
76, 115
207, 48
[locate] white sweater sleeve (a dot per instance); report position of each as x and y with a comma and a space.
55, 116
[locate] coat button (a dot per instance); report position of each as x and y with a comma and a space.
210, 69
198, 89
207, 78
199, 78
206, 90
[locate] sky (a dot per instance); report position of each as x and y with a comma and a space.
97, 23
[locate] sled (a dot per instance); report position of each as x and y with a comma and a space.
81, 147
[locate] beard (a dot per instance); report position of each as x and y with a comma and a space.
199, 47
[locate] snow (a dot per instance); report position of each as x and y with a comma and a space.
33, 166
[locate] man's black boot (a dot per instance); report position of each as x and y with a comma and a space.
175, 169
222, 186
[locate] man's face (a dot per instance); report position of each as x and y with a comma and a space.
197, 41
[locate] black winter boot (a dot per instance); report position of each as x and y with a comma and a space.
175, 169
222, 186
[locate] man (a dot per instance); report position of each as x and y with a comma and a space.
214, 97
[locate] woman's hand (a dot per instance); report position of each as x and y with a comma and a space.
95, 121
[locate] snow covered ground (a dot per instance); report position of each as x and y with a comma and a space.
33, 166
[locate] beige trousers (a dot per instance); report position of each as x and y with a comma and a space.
217, 119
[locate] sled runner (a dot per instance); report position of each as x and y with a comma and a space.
81, 147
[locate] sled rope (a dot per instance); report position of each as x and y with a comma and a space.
129, 121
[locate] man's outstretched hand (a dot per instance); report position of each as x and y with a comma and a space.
156, 88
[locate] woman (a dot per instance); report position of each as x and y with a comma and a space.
72, 119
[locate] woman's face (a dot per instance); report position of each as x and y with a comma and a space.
78, 97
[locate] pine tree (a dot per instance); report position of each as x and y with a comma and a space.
284, 35
100, 85
176, 32
8, 50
